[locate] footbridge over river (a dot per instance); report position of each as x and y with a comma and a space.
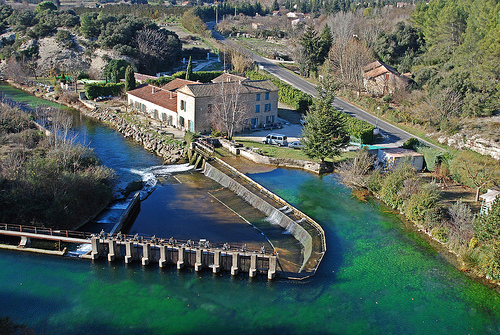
148, 250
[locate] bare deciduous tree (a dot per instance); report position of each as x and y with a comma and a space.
354, 173
347, 61
229, 110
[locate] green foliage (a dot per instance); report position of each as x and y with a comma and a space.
45, 5
192, 22
189, 70
93, 91
431, 156
440, 233
375, 181
461, 41
115, 70
129, 78
487, 226
359, 129
324, 134
288, 94
393, 184
400, 47
53, 185
201, 76
65, 38
422, 201
411, 143
474, 170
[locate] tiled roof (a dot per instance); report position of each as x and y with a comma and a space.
377, 68
177, 83
227, 77
156, 96
142, 77
400, 152
213, 89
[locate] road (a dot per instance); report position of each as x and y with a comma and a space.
391, 136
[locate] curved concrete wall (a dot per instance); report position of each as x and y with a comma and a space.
275, 215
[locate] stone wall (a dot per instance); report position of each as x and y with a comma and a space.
150, 138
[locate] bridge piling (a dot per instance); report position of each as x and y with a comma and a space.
163, 256
96, 246
252, 272
130, 251
146, 253
236, 264
271, 272
217, 259
112, 250
180, 261
199, 260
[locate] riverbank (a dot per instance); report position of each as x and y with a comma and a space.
132, 125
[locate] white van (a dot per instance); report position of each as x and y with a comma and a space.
278, 139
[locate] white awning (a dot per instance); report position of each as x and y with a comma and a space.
490, 196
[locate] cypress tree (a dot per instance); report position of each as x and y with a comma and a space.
189, 70
129, 78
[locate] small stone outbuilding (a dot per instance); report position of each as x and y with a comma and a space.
392, 157
381, 79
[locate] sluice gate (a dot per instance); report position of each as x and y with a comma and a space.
200, 255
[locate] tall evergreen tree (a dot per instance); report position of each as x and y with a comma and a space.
325, 43
324, 135
189, 70
129, 78
310, 42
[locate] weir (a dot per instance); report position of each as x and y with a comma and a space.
306, 231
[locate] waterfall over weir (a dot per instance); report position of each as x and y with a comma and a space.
275, 216
150, 176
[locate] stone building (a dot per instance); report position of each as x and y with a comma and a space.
381, 79
189, 105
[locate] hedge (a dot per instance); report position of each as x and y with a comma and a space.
201, 76
95, 90
359, 129
288, 94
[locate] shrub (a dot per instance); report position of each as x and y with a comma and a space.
431, 156
288, 94
359, 129
440, 233
393, 184
93, 91
411, 143
419, 203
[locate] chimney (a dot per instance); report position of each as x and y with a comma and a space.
170, 94
153, 90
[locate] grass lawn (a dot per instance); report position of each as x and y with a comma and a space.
284, 152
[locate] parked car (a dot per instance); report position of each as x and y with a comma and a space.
296, 145
277, 139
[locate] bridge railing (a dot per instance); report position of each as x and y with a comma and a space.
44, 231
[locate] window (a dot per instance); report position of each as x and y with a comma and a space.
270, 119
170, 119
155, 114
258, 97
191, 126
164, 117
181, 121
267, 95
183, 105
257, 108
267, 107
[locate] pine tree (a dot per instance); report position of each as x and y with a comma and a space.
324, 134
276, 5
325, 43
189, 70
129, 78
310, 41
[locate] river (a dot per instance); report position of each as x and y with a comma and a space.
377, 277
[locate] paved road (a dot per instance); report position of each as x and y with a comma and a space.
391, 136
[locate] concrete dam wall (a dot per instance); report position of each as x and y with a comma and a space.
274, 214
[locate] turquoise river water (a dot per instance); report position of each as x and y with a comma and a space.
377, 277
